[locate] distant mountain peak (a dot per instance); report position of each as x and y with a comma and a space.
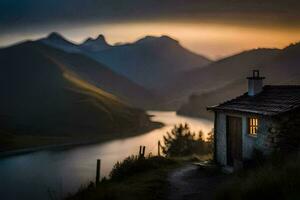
168, 38
95, 44
55, 36
291, 52
153, 39
100, 39
295, 45
56, 40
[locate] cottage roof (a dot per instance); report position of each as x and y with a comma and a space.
273, 100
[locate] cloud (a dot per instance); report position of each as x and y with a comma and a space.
275, 20
17, 14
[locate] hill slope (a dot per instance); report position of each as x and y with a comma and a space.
228, 77
102, 77
222, 72
42, 94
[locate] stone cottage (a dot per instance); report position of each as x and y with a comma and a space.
266, 118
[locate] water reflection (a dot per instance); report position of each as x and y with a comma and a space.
35, 175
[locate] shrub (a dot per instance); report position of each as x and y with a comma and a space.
182, 142
134, 164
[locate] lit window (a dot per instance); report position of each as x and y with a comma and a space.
253, 126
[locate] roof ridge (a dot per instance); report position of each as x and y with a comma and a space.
273, 100
282, 86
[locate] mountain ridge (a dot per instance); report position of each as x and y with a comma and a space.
151, 61
167, 73
95, 44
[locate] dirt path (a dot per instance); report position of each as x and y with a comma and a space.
190, 182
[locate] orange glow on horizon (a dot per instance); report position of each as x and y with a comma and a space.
212, 40
209, 39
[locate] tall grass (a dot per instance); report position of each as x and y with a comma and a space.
133, 165
131, 179
278, 179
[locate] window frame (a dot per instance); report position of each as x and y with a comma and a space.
253, 125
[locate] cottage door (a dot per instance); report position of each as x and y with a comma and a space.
234, 140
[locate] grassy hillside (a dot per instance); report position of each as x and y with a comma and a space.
132, 179
42, 95
103, 77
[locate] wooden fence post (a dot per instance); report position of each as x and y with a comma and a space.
140, 152
144, 148
158, 148
98, 171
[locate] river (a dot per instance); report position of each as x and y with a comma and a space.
39, 175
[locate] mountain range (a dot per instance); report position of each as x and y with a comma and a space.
151, 62
54, 86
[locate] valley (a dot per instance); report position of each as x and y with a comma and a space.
70, 92
44, 99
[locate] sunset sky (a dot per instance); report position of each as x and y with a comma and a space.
215, 28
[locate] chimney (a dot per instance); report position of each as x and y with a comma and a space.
255, 83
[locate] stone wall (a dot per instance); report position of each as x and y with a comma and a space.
284, 132
274, 134
249, 143
220, 136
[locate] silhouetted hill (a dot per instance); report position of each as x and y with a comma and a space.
222, 72
216, 75
44, 92
228, 76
